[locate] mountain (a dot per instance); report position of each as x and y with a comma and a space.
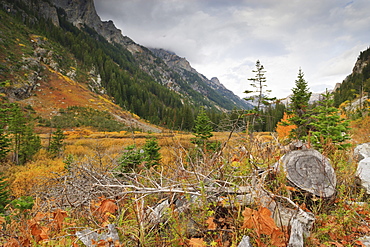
357, 83
212, 88
69, 38
83, 13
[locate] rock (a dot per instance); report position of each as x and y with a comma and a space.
362, 151
365, 240
88, 235
245, 242
363, 173
309, 171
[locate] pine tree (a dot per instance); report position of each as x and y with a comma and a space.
327, 125
4, 138
25, 143
202, 129
260, 96
299, 108
151, 152
56, 143
4, 194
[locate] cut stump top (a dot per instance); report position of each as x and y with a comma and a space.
310, 171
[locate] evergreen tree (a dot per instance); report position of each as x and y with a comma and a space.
4, 138
260, 97
4, 194
134, 158
299, 108
202, 129
151, 152
131, 159
327, 125
56, 143
25, 143
29, 146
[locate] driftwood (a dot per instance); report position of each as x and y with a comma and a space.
245, 242
309, 171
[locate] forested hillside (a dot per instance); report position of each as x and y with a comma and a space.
357, 83
117, 72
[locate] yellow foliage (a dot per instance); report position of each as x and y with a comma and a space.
25, 179
21, 45
284, 131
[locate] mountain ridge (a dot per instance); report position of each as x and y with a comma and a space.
132, 76
85, 13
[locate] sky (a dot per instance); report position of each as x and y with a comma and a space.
225, 38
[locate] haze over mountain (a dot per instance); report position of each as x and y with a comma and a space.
225, 38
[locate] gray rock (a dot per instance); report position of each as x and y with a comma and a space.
363, 173
365, 240
362, 151
86, 236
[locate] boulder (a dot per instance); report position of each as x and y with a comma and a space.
362, 151
310, 171
363, 173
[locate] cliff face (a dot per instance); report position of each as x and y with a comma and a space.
82, 12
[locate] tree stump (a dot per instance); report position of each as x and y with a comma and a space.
310, 171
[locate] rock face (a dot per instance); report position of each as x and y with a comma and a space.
82, 12
310, 171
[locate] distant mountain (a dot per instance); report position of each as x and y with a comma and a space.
212, 88
314, 97
69, 38
83, 13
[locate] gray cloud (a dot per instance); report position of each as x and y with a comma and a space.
224, 38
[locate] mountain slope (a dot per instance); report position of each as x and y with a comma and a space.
31, 69
115, 65
212, 89
357, 83
83, 13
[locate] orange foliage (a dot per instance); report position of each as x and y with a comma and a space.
360, 130
104, 209
261, 222
284, 131
196, 242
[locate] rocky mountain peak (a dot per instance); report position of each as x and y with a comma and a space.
217, 82
83, 12
172, 60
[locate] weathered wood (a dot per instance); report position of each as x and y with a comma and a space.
310, 171
296, 234
245, 242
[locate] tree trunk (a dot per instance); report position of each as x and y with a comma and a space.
309, 171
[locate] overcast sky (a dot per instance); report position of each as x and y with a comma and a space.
225, 38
